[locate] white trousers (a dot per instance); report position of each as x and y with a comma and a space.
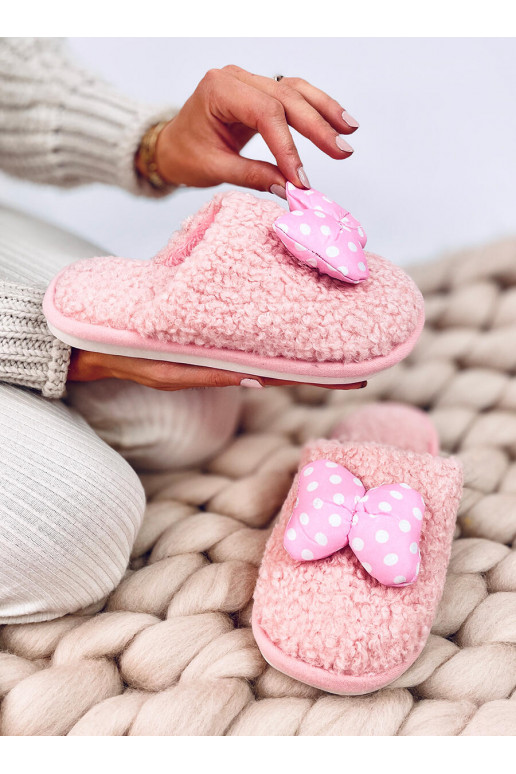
71, 502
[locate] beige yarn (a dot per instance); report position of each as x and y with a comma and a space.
171, 652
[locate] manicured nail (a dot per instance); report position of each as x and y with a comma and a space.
342, 144
278, 190
251, 383
302, 176
348, 118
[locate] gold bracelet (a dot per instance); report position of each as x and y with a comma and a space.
146, 155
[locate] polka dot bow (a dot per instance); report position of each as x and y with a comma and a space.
382, 526
322, 234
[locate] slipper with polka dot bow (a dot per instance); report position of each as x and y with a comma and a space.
322, 234
226, 293
355, 567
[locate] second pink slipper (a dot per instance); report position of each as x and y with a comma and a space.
226, 293
355, 567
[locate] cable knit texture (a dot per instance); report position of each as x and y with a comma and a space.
62, 125
31, 251
59, 125
332, 614
29, 354
227, 281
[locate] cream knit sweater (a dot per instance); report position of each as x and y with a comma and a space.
63, 126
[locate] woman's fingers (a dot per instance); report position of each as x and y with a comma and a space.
281, 383
233, 100
311, 124
176, 376
238, 170
310, 111
162, 375
88, 366
328, 107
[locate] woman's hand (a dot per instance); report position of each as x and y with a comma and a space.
90, 366
201, 145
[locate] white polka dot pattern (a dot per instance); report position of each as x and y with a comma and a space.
321, 234
382, 527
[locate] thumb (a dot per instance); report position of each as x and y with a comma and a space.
249, 173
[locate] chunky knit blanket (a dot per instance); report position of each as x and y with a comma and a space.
171, 652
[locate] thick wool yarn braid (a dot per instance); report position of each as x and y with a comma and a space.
171, 651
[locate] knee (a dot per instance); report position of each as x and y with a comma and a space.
65, 543
159, 430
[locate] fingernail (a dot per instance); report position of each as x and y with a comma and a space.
303, 178
278, 190
348, 118
342, 144
251, 383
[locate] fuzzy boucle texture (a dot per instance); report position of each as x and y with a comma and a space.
331, 614
402, 426
227, 281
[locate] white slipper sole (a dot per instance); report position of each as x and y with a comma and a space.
198, 360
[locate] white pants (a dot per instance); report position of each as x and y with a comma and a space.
71, 502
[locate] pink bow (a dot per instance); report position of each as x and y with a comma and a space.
322, 234
382, 525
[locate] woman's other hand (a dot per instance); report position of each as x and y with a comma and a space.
90, 366
201, 145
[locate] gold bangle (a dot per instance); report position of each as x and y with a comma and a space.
146, 156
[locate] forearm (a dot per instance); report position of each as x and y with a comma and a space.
61, 125
30, 356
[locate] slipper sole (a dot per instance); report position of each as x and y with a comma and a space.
320, 678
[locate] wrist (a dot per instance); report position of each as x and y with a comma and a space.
85, 366
148, 156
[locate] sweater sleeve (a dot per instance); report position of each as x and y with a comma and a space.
59, 125
62, 125
30, 355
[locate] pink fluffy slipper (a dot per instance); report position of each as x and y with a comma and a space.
226, 293
355, 567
